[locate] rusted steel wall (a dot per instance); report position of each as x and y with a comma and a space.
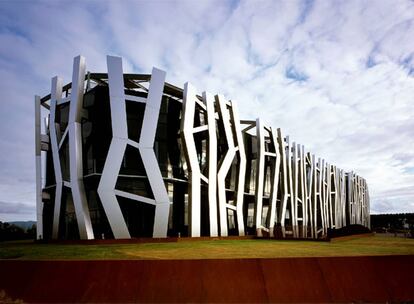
328, 279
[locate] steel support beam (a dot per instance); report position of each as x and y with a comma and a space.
75, 150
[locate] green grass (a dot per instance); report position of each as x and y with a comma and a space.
210, 249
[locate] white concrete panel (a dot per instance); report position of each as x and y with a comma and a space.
56, 96
76, 182
146, 149
117, 97
114, 158
135, 197
161, 220
242, 166
76, 96
75, 150
272, 213
260, 162
187, 126
284, 180
154, 175
212, 163
295, 187
106, 188
152, 108
225, 163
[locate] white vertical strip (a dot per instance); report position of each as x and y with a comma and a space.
162, 203
187, 125
106, 187
337, 212
152, 109
117, 97
319, 200
39, 202
338, 205
285, 192
310, 183
351, 198
315, 195
305, 193
212, 163
295, 187
146, 148
334, 202
323, 197
329, 196
343, 197
225, 164
302, 189
290, 185
75, 150
260, 163
242, 166
272, 213
56, 96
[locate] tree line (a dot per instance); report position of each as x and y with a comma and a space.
9, 231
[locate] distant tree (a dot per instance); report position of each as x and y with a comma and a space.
10, 232
391, 222
31, 232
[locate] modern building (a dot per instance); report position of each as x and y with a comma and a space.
130, 155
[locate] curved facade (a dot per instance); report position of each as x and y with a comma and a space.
130, 155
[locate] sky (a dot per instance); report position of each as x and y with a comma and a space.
336, 76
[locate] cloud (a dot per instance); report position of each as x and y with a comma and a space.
337, 76
15, 208
16, 211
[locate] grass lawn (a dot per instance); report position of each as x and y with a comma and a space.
209, 249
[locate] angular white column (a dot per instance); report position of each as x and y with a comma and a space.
242, 165
368, 208
295, 186
113, 162
350, 198
305, 191
231, 125
343, 198
284, 185
55, 98
260, 164
340, 208
190, 100
194, 174
106, 188
333, 202
318, 210
212, 162
225, 164
311, 188
272, 213
39, 201
146, 149
300, 193
287, 189
324, 194
75, 150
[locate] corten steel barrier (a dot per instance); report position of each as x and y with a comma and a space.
327, 279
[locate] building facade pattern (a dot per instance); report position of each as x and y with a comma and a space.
128, 155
